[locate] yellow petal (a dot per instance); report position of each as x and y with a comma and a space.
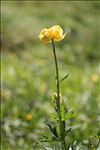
45, 35
61, 38
55, 33
57, 29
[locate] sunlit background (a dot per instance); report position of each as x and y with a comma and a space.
28, 71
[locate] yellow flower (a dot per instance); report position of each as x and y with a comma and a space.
29, 117
95, 77
55, 33
45, 35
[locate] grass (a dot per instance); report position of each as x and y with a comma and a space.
27, 70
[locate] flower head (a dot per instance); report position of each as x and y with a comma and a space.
29, 117
95, 77
55, 33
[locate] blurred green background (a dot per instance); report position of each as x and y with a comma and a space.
28, 71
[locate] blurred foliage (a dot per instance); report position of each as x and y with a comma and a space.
27, 70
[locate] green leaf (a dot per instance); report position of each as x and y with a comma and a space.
48, 148
44, 136
66, 76
68, 131
53, 130
54, 116
99, 133
63, 110
70, 115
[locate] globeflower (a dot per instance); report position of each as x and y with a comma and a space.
54, 33
28, 117
95, 77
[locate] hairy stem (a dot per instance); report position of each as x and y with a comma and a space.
61, 123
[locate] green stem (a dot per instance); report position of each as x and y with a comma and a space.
61, 123
57, 77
